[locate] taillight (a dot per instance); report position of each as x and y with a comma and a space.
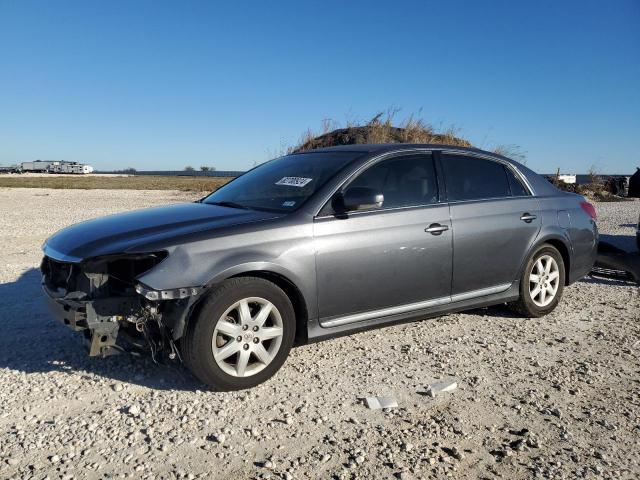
590, 209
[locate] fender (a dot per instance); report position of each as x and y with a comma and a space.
266, 267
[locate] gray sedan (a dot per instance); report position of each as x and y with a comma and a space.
314, 245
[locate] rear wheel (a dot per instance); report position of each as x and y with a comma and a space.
241, 335
541, 283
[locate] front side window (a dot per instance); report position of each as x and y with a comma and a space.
283, 184
404, 181
473, 178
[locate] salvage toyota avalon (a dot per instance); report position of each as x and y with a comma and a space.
314, 245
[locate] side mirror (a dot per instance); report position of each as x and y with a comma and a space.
361, 198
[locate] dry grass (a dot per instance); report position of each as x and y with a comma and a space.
380, 129
512, 151
383, 128
142, 182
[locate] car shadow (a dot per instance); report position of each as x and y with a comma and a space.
32, 341
498, 311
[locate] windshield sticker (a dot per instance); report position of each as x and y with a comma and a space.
293, 181
288, 203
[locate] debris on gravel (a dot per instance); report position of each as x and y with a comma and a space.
377, 403
551, 397
442, 387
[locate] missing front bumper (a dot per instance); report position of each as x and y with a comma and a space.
102, 299
123, 323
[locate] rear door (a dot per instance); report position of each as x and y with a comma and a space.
495, 222
368, 261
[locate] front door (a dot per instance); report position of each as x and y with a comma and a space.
376, 259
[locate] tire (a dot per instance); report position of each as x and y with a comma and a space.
535, 303
227, 329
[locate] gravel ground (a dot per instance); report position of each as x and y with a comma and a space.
556, 397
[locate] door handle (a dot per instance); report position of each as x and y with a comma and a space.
436, 229
527, 217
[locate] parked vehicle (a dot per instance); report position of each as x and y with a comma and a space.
318, 244
55, 166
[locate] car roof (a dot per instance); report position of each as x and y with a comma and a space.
389, 147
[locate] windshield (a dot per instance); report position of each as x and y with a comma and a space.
283, 184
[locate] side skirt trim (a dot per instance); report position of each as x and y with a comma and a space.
410, 307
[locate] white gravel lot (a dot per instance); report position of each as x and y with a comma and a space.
556, 397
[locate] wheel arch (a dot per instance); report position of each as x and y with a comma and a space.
293, 292
299, 293
300, 306
564, 248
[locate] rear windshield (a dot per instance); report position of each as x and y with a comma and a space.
283, 184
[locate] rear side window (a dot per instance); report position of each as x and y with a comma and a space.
404, 181
517, 188
472, 178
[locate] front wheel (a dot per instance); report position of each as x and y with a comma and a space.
241, 335
541, 283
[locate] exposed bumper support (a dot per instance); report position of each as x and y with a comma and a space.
82, 316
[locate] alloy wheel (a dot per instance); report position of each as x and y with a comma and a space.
544, 280
247, 337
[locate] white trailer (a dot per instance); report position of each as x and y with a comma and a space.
39, 165
71, 167
56, 166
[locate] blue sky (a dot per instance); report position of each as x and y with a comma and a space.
164, 84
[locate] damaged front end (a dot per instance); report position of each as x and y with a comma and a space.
102, 298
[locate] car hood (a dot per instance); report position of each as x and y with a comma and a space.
131, 231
